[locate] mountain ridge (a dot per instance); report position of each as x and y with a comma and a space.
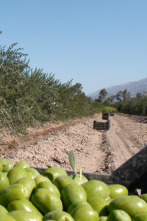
132, 87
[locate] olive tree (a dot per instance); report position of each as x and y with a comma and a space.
102, 95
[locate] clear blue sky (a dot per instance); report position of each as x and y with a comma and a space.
98, 43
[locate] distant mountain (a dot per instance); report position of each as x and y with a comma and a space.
132, 87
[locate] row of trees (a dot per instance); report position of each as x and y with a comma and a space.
121, 95
124, 103
29, 97
137, 106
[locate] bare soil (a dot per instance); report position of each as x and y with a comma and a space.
96, 151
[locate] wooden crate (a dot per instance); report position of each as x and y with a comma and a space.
105, 116
101, 125
111, 114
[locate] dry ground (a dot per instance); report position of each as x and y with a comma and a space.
96, 151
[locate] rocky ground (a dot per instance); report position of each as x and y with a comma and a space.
96, 151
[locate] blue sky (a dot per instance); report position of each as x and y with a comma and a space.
98, 43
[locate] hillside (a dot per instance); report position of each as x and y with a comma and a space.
132, 87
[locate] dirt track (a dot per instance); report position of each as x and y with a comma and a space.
125, 138
96, 151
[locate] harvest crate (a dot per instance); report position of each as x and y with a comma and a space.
105, 116
101, 125
111, 114
132, 174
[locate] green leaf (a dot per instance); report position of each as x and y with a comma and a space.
80, 174
72, 160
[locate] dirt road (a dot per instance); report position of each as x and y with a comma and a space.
96, 151
125, 138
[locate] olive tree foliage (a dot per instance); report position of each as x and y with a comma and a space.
73, 102
13, 80
27, 97
102, 95
31, 97
119, 95
136, 105
138, 95
110, 100
123, 95
126, 95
